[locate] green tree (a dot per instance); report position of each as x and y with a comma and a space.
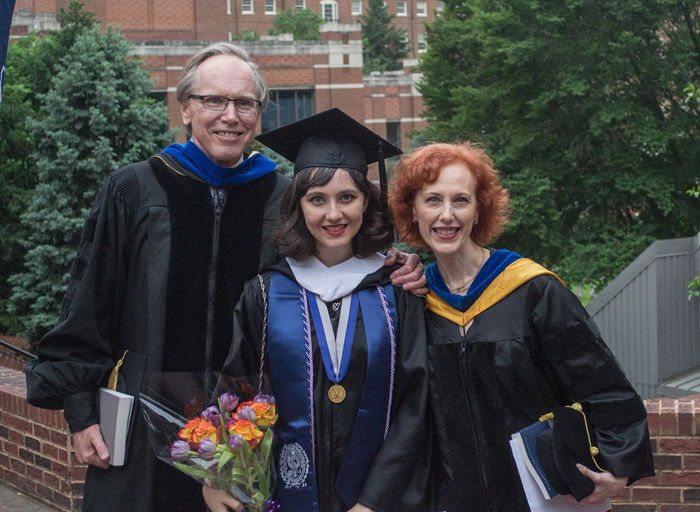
96, 117
580, 104
302, 23
31, 62
383, 45
246, 35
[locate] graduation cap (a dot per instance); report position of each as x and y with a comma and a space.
331, 139
568, 442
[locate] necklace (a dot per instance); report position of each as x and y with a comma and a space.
459, 290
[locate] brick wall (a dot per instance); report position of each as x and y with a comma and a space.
674, 425
36, 456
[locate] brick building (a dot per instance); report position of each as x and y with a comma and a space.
305, 76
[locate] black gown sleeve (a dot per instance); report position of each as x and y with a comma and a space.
244, 355
76, 356
386, 487
587, 372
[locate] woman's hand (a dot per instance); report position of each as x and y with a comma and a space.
360, 508
411, 275
606, 484
218, 501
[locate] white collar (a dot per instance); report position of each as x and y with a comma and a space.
331, 283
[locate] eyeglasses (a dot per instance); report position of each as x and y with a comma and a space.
219, 103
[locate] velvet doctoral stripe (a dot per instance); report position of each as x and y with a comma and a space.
210, 262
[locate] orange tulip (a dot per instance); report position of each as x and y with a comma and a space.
205, 430
246, 429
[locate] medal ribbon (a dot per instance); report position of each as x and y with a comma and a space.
335, 369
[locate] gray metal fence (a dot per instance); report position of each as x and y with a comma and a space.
647, 320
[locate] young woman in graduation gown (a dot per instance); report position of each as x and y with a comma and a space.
507, 341
346, 351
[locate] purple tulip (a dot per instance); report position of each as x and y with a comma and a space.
207, 449
247, 413
228, 402
179, 451
268, 399
212, 414
272, 506
235, 442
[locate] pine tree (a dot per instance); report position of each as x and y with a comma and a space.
383, 45
31, 63
96, 117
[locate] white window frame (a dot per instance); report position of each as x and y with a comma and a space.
421, 8
299, 5
440, 6
422, 43
401, 8
356, 7
268, 4
250, 7
334, 10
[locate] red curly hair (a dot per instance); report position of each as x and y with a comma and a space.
425, 165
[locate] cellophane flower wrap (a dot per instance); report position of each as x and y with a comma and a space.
224, 442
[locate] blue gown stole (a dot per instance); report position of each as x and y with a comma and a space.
290, 359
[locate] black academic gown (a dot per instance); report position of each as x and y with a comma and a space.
158, 272
385, 488
534, 349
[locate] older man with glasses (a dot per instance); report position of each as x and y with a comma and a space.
162, 261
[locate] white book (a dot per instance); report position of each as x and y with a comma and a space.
115, 416
535, 497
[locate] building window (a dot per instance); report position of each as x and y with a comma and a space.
329, 11
287, 107
401, 9
440, 6
393, 133
247, 7
270, 7
299, 5
422, 44
421, 8
356, 7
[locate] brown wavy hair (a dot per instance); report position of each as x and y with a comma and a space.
425, 165
293, 238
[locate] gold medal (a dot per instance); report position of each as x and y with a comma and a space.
336, 393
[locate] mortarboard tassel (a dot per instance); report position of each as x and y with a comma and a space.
382, 178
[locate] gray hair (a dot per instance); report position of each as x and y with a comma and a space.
189, 75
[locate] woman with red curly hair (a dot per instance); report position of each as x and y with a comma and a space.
508, 343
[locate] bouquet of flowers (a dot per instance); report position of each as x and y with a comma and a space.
227, 445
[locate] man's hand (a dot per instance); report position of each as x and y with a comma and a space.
410, 276
90, 448
218, 501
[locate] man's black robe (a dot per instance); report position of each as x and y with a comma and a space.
158, 272
534, 349
385, 488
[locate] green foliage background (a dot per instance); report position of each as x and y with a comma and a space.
94, 115
580, 104
303, 24
383, 45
